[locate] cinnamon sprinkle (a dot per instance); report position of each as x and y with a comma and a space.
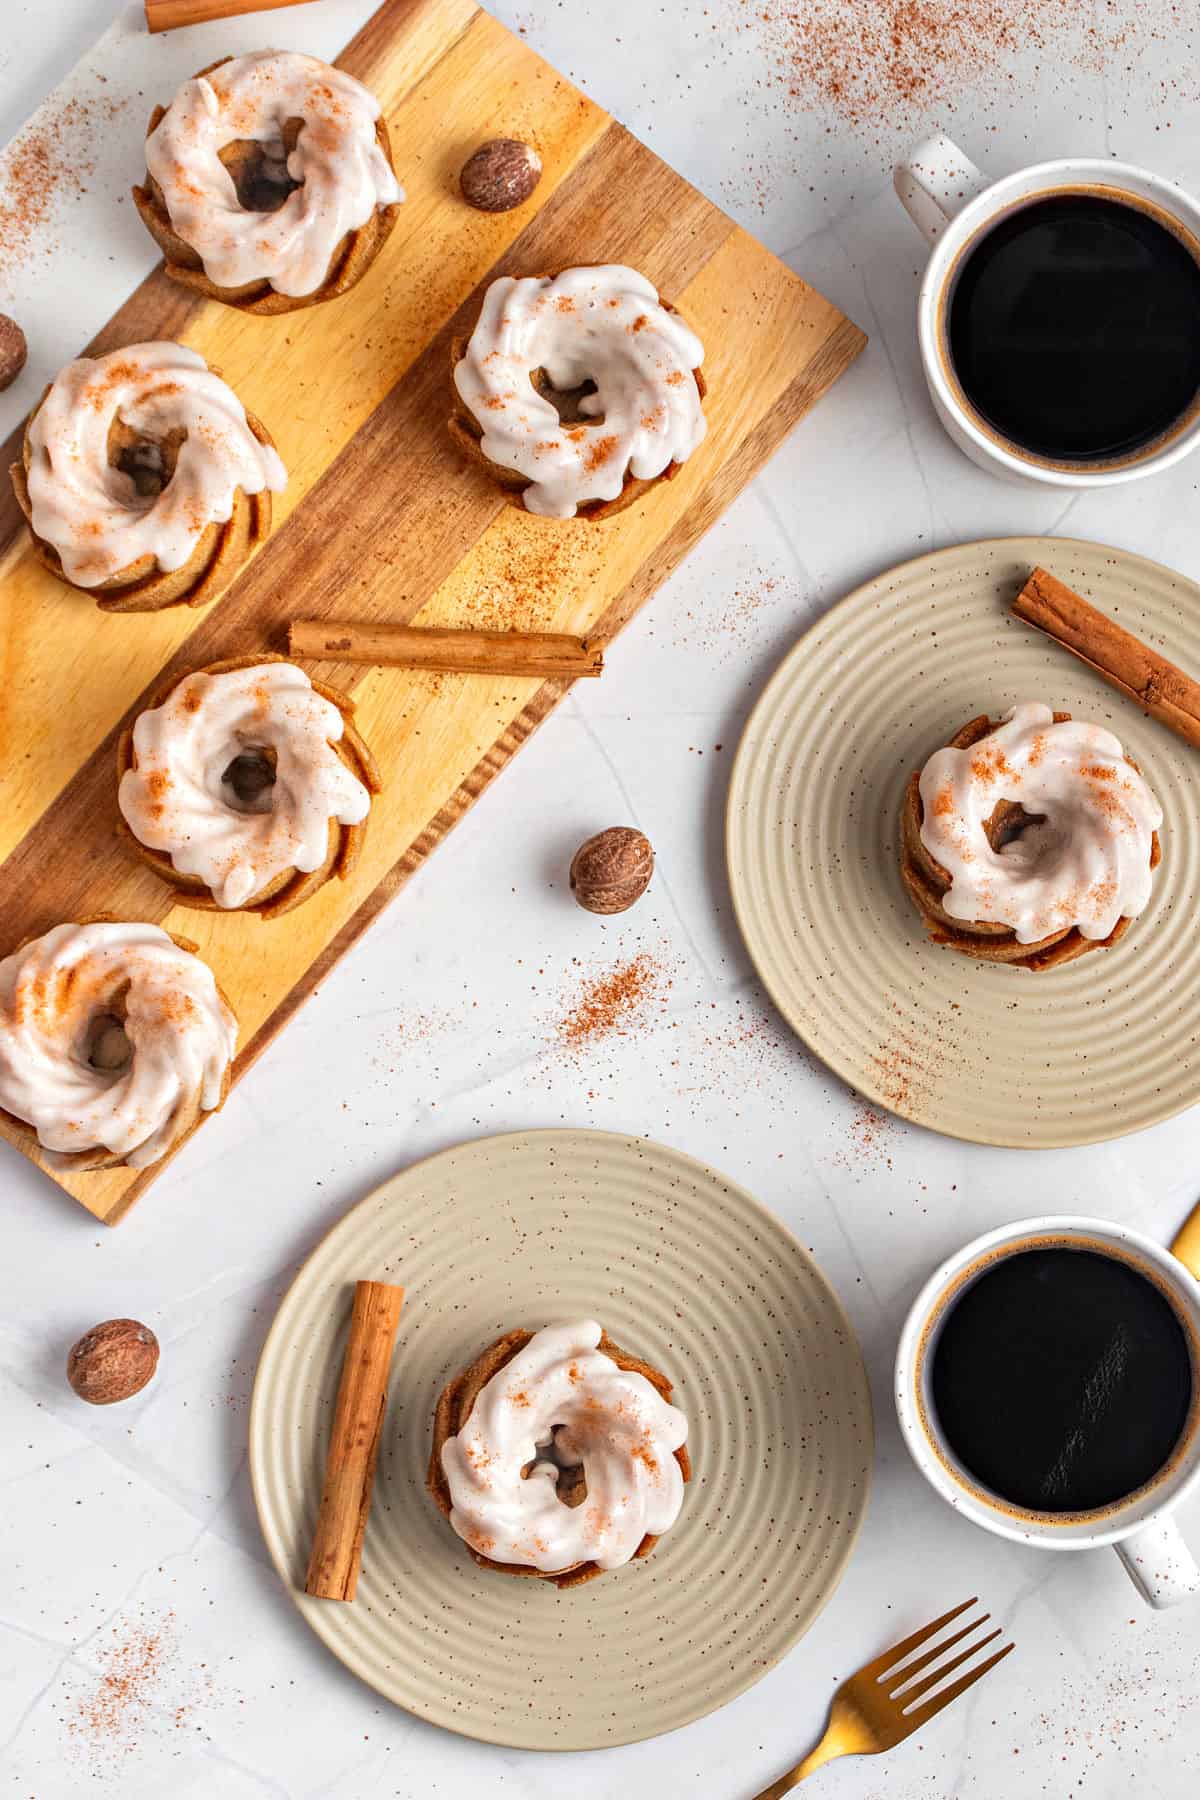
881, 63
527, 581
735, 1052
598, 453
613, 1002
1125, 1712
48, 162
871, 1135
138, 1687
739, 618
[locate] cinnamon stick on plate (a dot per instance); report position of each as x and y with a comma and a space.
165, 15
1148, 679
548, 654
354, 1443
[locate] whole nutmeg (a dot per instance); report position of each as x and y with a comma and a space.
500, 175
13, 350
112, 1361
612, 869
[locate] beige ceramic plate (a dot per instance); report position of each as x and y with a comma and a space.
680, 1266
1104, 1046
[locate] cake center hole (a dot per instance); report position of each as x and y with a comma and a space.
570, 1482
107, 1046
146, 467
249, 778
1009, 823
259, 171
148, 463
565, 401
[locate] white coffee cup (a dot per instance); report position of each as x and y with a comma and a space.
1138, 1527
954, 204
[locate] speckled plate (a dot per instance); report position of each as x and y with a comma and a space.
1104, 1046
681, 1267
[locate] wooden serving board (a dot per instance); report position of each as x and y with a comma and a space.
380, 518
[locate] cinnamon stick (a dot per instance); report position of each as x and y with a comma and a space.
547, 654
354, 1443
165, 15
1148, 679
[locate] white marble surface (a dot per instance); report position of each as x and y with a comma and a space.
442, 1023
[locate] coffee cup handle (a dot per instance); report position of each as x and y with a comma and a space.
1159, 1563
934, 182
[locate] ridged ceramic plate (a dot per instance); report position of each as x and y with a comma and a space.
681, 1267
1104, 1046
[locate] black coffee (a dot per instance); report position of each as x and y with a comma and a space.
1062, 1379
1074, 328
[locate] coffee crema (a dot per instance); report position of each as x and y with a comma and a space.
1061, 1377
1072, 327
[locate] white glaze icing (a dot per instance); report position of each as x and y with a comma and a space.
344, 174
91, 512
181, 1032
1087, 864
603, 324
561, 1390
175, 799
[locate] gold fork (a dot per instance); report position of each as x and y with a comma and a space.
870, 1710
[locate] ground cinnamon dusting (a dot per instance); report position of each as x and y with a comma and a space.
48, 162
742, 615
613, 1002
908, 1061
878, 63
735, 1053
872, 1133
129, 1688
906, 1066
528, 581
1123, 1710
599, 453
992, 765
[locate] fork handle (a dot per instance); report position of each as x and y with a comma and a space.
824, 1752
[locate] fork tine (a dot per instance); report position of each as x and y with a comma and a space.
907, 1695
898, 1675
930, 1707
898, 1652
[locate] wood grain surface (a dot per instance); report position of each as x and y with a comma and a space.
382, 520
